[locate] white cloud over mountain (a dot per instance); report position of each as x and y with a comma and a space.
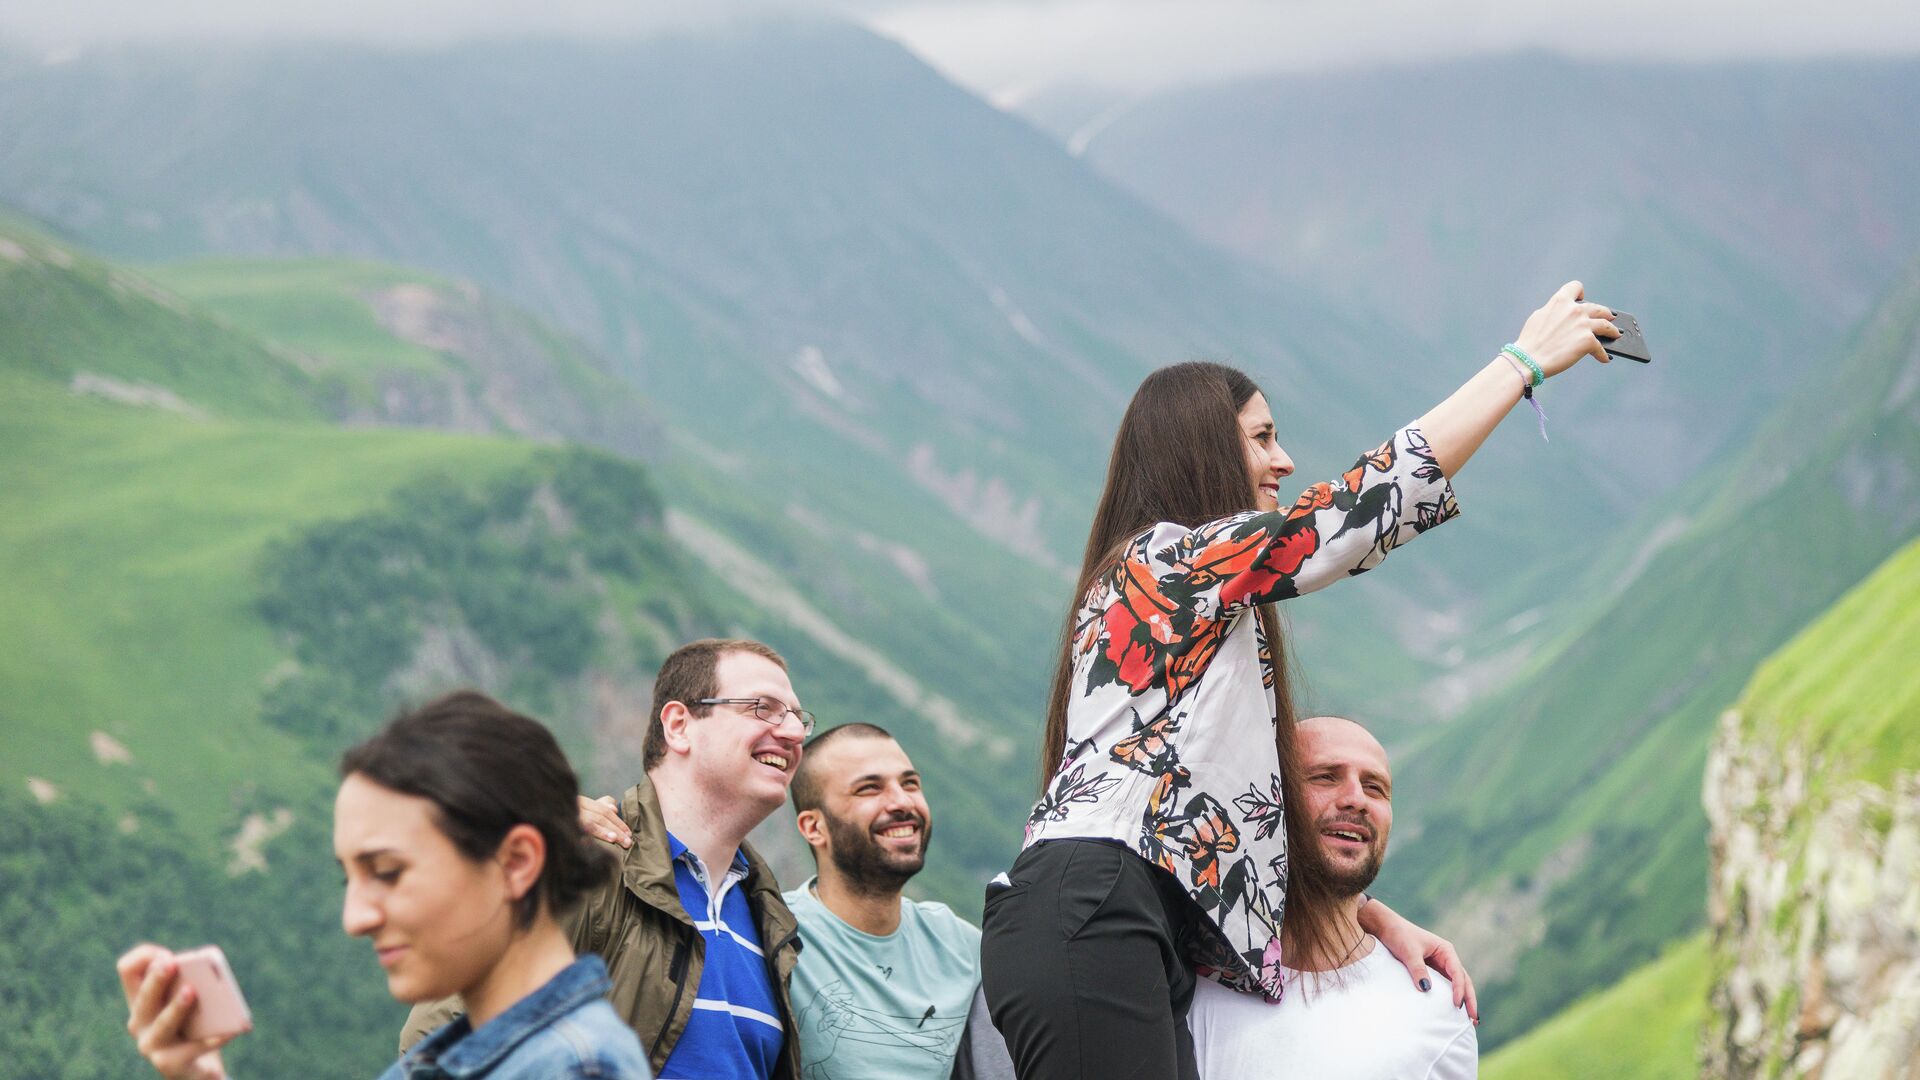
1007, 47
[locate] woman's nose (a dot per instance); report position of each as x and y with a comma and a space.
357, 917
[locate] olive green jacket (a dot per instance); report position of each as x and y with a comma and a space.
654, 954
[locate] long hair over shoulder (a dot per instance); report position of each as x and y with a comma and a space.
1180, 457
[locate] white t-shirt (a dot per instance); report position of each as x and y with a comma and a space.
1373, 1024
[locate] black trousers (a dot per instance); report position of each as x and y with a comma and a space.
1082, 966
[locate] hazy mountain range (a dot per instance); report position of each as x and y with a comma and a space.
869, 337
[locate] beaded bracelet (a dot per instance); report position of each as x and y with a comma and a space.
1519, 354
1511, 352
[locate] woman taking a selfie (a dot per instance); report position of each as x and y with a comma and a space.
1166, 842
457, 830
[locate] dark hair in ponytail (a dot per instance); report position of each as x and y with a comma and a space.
487, 769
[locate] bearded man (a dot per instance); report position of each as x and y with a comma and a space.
885, 985
1350, 1014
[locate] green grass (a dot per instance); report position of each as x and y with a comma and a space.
64, 313
316, 306
1846, 684
1644, 1028
128, 543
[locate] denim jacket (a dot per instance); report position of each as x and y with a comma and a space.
565, 1029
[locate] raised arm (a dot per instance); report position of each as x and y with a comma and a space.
1562, 331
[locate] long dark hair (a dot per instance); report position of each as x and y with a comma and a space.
486, 769
1178, 457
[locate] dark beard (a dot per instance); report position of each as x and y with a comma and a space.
1350, 882
1355, 881
870, 869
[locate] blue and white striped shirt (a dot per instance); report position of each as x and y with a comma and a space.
735, 1030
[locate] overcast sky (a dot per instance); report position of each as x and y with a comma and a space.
1005, 48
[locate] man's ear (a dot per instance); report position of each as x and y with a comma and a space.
813, 827
522, 854
674, 718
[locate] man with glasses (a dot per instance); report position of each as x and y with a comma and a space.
696, 937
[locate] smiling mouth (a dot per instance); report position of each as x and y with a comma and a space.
901, 830
774, 761
1347, 835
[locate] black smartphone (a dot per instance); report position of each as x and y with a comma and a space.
1630, 344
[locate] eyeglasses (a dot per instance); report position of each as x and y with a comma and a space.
767, 709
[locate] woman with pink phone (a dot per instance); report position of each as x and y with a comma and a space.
457, 829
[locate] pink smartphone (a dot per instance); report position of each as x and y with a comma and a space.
220, 1009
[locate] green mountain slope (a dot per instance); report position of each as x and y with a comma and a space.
1846, 685
850, 288
282, 502
502, 369
136, 753
127, 540
173, 701
396, 346
1813, 797
1577, 849
71, 316
1842, 688
1647, 1027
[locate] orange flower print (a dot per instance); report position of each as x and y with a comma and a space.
1314, 499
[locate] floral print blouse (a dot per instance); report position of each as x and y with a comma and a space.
1170, 725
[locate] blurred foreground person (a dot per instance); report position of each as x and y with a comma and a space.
1349, 1012
455, 826
691, 923
1168, 840
886, 984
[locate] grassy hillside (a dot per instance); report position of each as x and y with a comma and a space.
176, 536
128, 538
1810, 791
134, 664
881, 593
1646, 1027
68, 314
387, 344
293, 527
1846, 684
1578, 848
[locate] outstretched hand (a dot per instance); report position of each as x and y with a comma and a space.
157, 1014
1566, 328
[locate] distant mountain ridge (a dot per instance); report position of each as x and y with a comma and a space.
838, 277
1748, 213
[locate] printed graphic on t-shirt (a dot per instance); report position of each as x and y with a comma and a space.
833, 1017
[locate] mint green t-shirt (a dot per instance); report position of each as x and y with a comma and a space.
893, 1006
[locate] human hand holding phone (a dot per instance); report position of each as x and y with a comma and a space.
182, 1008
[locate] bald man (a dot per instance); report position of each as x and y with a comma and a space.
1353, 1015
